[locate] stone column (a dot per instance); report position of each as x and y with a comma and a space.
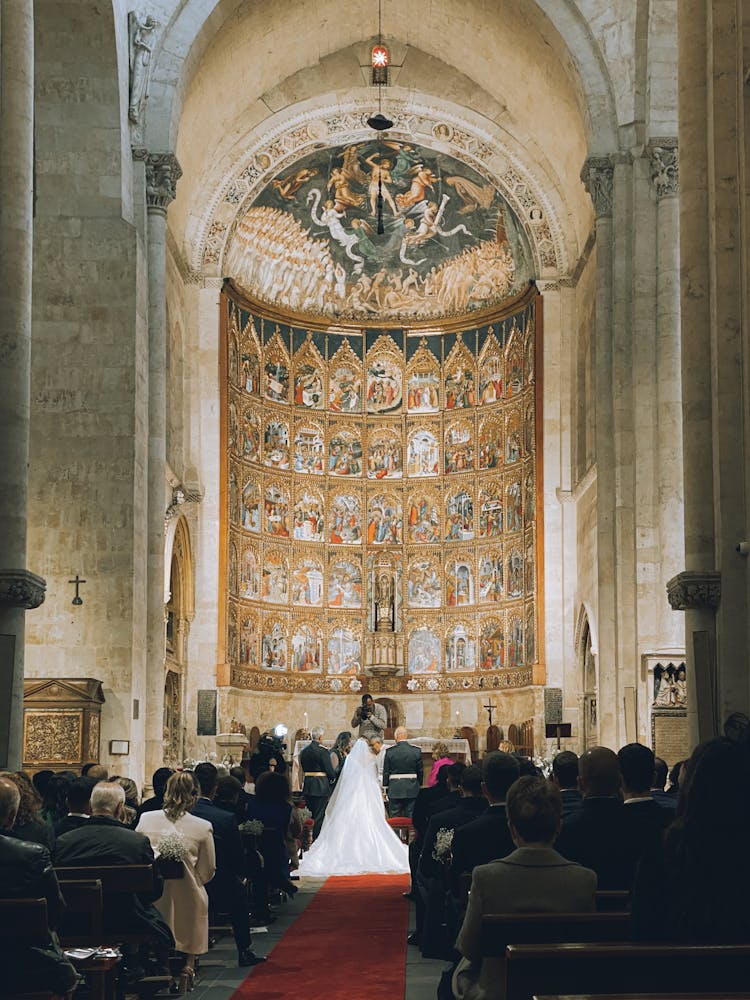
669, 498
162, 173
19, 589
598, 178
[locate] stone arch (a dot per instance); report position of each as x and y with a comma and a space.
393, 715
588, 667
180, 611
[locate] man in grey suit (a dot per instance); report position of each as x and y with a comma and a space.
370, 718
315, 761
402, 774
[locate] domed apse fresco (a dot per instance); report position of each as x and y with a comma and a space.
450, 244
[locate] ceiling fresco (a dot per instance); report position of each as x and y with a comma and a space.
309, 243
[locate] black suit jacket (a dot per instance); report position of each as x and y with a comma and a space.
316, 758
227, 839
465, 811
571, 800
424, 806
602, 835
483, 840
402, 758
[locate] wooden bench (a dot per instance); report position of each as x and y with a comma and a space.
24, 922
607, 900
538, 969
502, 929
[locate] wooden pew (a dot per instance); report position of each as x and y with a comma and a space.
24, 922
502, 929
612, 900
538, 969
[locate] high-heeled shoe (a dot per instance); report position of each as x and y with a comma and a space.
185, 982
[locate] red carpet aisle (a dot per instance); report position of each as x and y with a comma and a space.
350, 939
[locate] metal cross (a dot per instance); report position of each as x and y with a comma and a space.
78, 581
490, 707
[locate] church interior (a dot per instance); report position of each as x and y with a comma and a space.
352, 347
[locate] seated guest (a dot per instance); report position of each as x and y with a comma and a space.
26, 873
439, 757
79, 805
40, 780
105, 840
658, 783
238, 773
55, 799
226, 798
487, 837
596, 835
132, 800
469, 805
646, 819
184, 902
533, 878
673, 788
96, 771
30, 824
425, 800
565, 776
159, 780
693, 886
272, 805
226, 891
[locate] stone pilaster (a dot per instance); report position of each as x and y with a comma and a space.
162, 173
19, 589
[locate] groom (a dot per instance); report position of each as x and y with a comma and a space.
315, 761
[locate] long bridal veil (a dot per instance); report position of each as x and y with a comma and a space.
355, 838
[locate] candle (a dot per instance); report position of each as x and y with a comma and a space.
305, 721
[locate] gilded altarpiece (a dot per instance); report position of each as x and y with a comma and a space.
381, 500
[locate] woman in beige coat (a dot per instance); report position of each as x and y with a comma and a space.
184, 902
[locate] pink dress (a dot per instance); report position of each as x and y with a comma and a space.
432, 780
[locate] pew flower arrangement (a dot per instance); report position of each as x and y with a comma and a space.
443, 846
252, 827
172, 847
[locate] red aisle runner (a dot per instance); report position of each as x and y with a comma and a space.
351, 940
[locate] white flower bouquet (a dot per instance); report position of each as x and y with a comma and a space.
252, 827
443, 846
172, 847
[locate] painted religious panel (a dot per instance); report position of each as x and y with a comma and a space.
275, 586
251, 436
423, 655
491, 443
384, 521
276, 444
423, 453
531, 656
529, 498
491, 372
384, 454
459, 516
491, 576
308, 377
423, 583
384, 381
529, 565
250, 362
276, 511
529, 429
274, 652
249, 641
459, 583
513, 445
516, 656
344, 652
444, 241
307, 583
309, 520
345, 453
345, 381
460, 392
514, 368
233, 352
423, 382
233, 569
309, 449
515, 573
276, 371
250, 580
345, 584
233, 430
345, 520
492, 642
307, 650
233, 491
424, 519
251, 505
459, 447
513, 506
460, 649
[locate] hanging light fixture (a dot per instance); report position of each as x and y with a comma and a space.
379, 61
379, 57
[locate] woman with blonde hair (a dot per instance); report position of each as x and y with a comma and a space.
440, 756
178, 836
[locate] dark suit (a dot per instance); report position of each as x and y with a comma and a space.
153, 804
226, 892
485, 839
664, 799
105, 841
571, 800
402, 759
26, 873
68, 823
466, 810
315, 761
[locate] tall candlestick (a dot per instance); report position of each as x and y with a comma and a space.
305, 721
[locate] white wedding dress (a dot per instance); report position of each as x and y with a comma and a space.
355, 838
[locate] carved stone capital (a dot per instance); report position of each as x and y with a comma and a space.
665, 167
162, 173
20, 588
598, 176
694, 591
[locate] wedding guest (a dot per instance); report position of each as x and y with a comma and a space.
673, 788
132, 800
29, 823
486, 837
439, 757
159, 781
227, 796
40, 780
658, 782
565, 776
79, 805
533, 878
420, 819
55, 799
26, 872
645, 818
339, 751
272, 806
694, 885
243, 797
97, 771
402, 774
184, 902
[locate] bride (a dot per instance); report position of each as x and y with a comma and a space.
355, 838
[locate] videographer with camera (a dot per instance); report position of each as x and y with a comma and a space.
370, 718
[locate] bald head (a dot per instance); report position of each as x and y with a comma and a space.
401, 734
10, 798
599, 773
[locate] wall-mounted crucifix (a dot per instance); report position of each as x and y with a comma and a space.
77, 600
490, 708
